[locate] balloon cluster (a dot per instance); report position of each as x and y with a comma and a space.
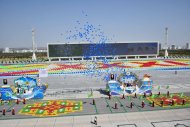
86, 32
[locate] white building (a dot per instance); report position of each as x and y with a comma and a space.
173, 47
178, 47
7, 50
187, 46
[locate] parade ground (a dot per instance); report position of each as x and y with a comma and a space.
105, 111
68, 102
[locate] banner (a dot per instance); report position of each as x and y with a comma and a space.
43, 73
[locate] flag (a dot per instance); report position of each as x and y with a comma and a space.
159, 87
129, 98
90, 94
9, 102
153, 96
107, 89
141, 97
167, 87
181, 95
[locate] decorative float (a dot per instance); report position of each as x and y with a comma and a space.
129, 83
23, 88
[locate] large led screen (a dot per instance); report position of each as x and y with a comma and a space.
105, 49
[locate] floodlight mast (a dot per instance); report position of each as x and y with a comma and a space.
166, 42
33, 46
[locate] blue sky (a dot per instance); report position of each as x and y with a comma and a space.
121, 20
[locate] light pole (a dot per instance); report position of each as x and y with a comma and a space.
166, 42
33, 45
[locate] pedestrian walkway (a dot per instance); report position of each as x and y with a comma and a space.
164, 118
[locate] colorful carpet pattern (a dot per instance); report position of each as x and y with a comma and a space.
85, 67
51, 108
167, 100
